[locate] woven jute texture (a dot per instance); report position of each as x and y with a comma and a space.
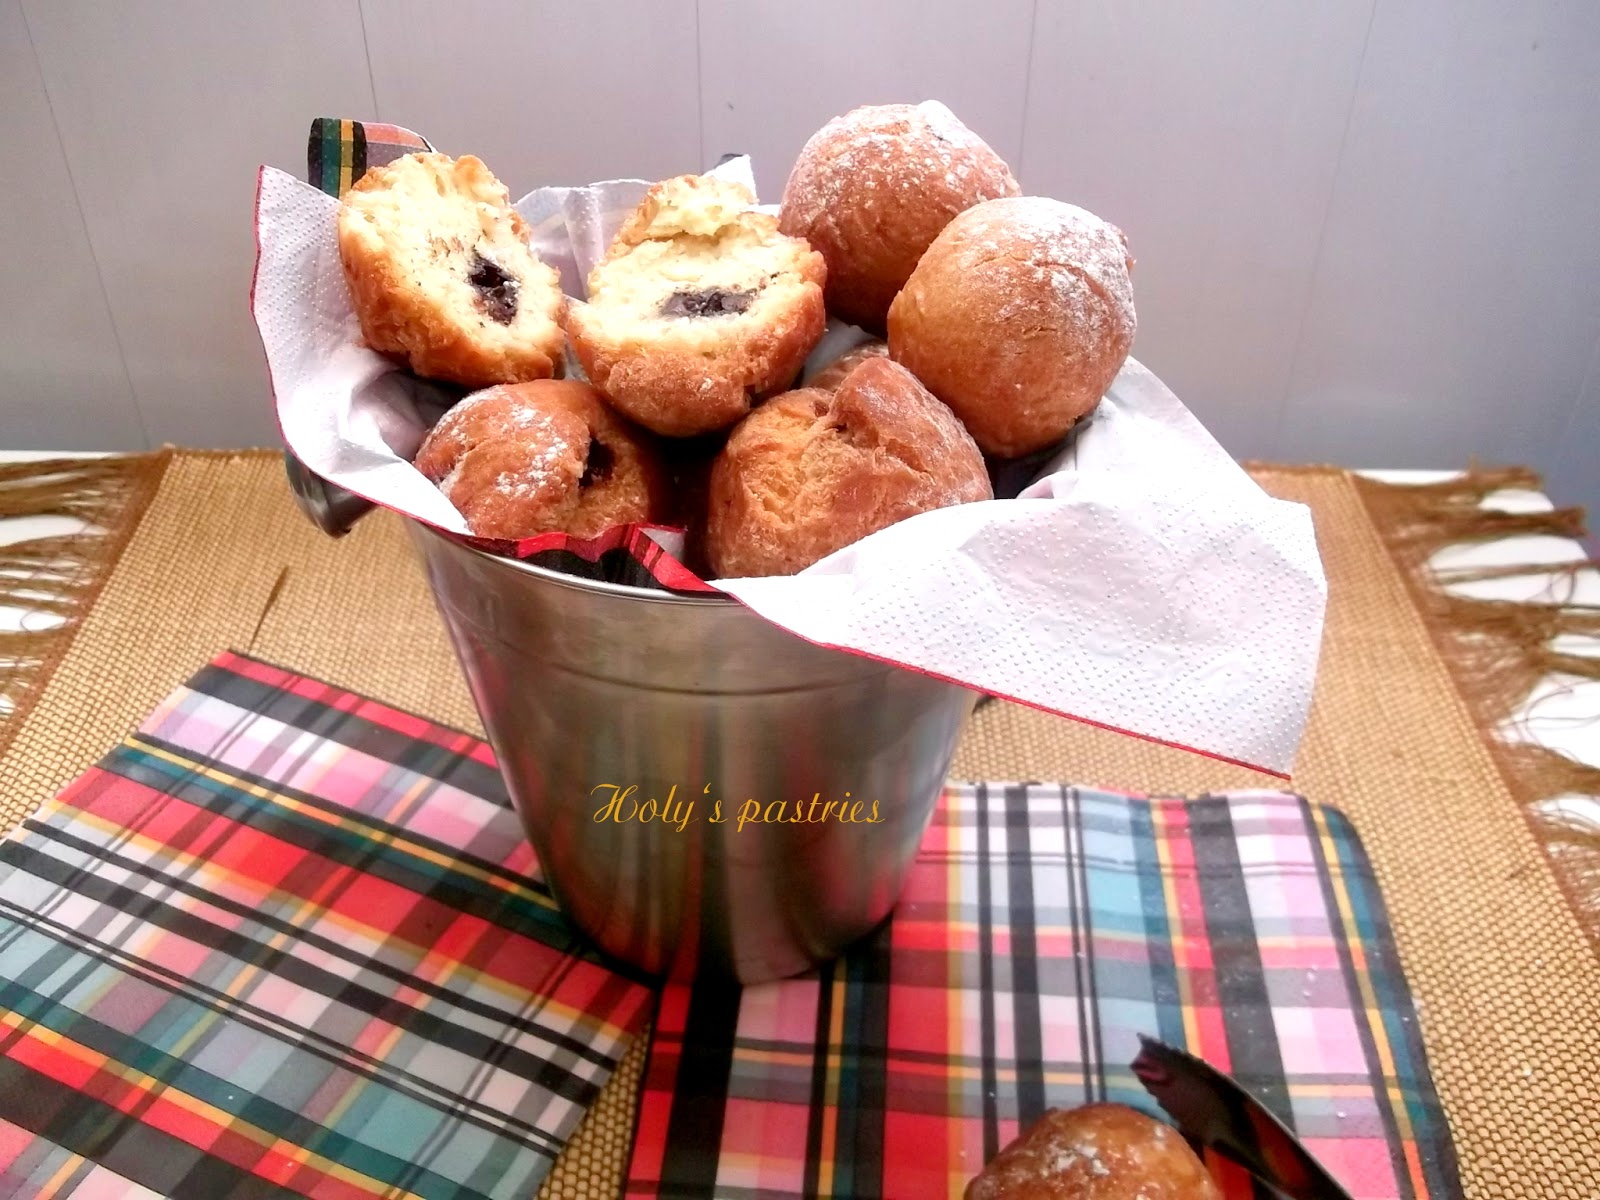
1508, 989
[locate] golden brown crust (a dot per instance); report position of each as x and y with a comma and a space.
1018, 317
522, 459
812, 471
686, 204
873, 188
408, 234
680, 393
835, 373
1096, 1152
679, 373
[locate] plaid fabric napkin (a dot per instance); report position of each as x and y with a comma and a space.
1043, 930
284, 940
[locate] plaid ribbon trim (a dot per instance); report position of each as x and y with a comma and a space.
625, 554
338, 154
1044, 928
286, 940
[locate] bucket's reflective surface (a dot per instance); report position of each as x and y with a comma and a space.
589, 690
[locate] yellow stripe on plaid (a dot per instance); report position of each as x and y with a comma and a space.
830, 1102
149, 1085
1369, 1000
61, 1177
347, 154
578, 1019
347, 824
1159, 822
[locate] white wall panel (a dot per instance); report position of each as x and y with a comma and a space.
1458, 287
545, 92
1366, 230
773, 73
1574, 474
165, 109
61, 377
1210, 133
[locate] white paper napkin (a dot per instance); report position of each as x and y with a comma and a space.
1144, 583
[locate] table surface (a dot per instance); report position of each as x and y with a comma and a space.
1562, 712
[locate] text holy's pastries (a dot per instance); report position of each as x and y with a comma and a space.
621, 804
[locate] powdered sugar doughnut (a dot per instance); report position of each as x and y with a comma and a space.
1096, 1152
873, 188
540, 457
1018, 317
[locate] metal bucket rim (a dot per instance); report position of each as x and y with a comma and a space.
577, 583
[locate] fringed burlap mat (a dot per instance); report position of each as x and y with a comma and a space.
1508, 988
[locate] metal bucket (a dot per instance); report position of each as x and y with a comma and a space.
613, 710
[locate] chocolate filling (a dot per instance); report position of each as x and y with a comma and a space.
597, 466
497, 290
708, 302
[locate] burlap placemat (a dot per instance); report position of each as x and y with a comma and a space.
1508, 990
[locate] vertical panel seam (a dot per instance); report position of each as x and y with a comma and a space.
83, 223
1275, 447
1588, 377
1027, 90
699, 89
1567, 446
366, 53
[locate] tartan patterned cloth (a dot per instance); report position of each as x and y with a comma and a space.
340, 152
1044, 928
284, 940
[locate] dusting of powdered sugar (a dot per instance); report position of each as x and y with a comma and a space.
894, 148
518, 413
468, 404
532, 427
548, 450
447, 485
947, 127
1052, 243
1061, 1159
1064, 1157
530, 418
1091, 1155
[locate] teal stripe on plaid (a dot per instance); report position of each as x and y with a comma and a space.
183, 1019
1395, 1013
329, 152
440, 1025
39, 1167
449, 761
1197, 917
274, 927
861, 1074
324, 153
1155, 929
356, 842
216, 983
